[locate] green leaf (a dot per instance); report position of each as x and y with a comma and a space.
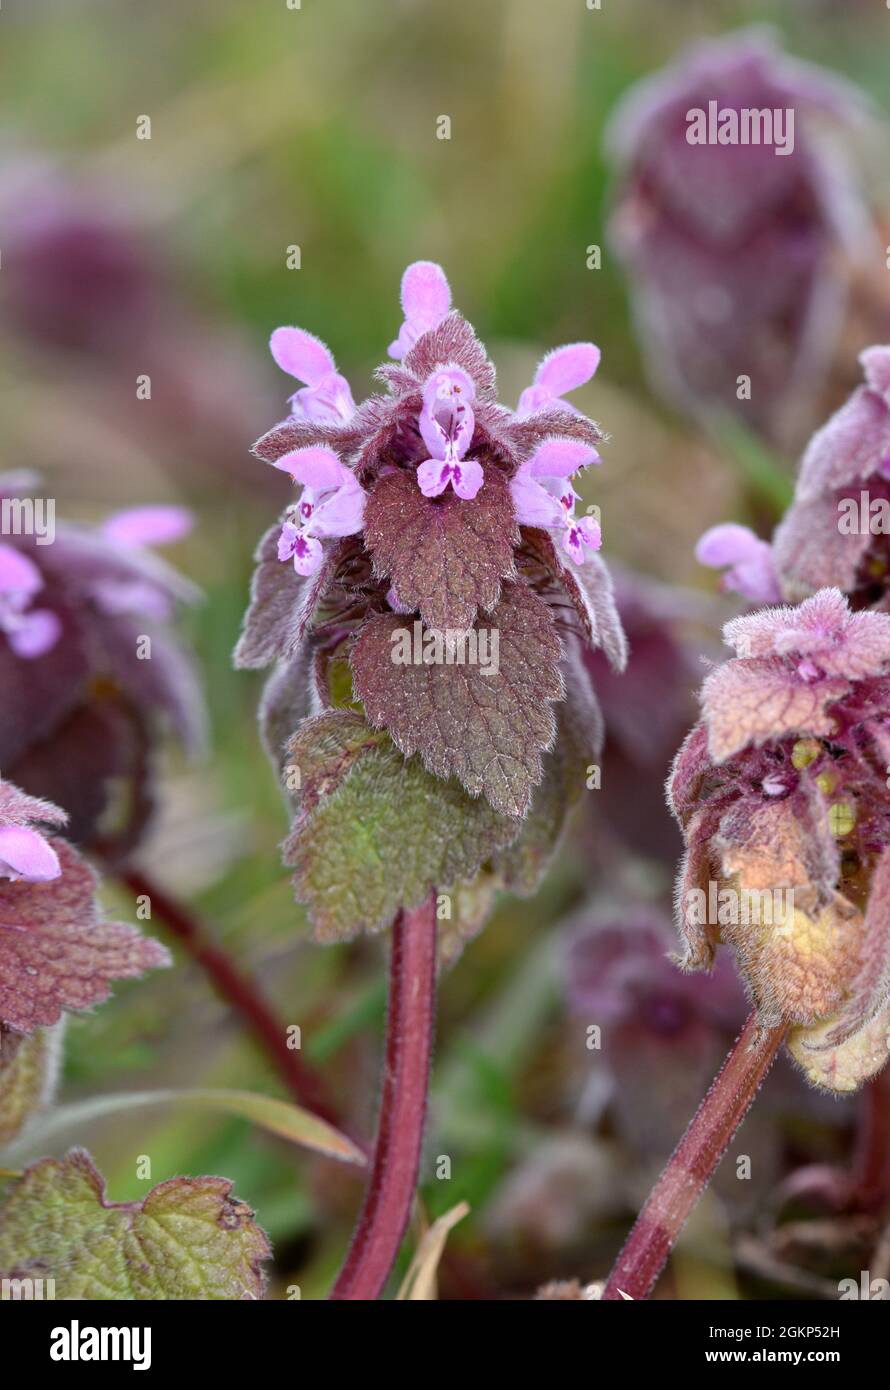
376, 831
188, 1239
278, 1117
28, 1068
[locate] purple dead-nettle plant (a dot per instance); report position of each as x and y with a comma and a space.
90, 668
429, 520
837, 530
735, 214
781, 794
781, 791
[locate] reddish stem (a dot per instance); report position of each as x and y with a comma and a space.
239, 990
693, 1162
409, 1044
871, 1162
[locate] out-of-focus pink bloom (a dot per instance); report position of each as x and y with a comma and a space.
426, 299
736, 247
446, 424
562, 370
153, 525
83, 709
31, 632
326, 397
749, 561
332, 503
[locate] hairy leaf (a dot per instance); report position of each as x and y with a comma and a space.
377, 832
579, 733
28, 1069
188, 1239
750, 702
487, 728
56, 953
445, 556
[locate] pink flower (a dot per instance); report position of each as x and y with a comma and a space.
332, 503
135, 529
426, 299
30, 632
542, 496
24, 854
145, 526
751, 572
564, 369
326, 397
447, 424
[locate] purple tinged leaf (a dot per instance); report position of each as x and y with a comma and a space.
486, 727
56, 953
445, 556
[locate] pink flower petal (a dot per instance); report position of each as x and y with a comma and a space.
330, 402
341, 513
25, 854
566, 368
301, 355
560, 458
161, 525
534, 505
37, 634
18, 574
308, 555
287, 540
432, 477
317, 467
467, 478
426, 299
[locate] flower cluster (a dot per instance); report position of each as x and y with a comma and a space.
432, 503
442, 423
735, 245
781, 792
89, 669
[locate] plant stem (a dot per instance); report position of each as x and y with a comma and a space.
238, 989
693, 1162
871, 1162
409, 1044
